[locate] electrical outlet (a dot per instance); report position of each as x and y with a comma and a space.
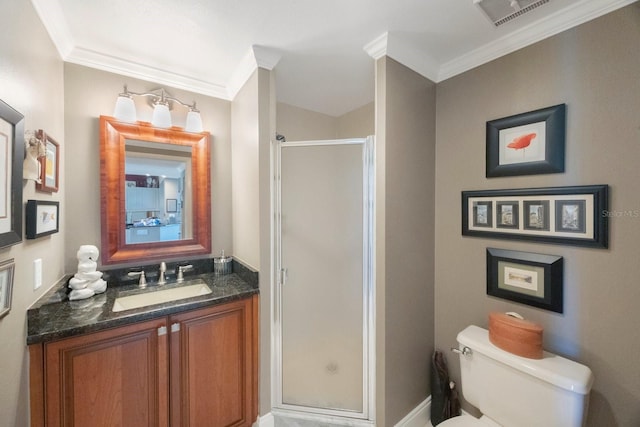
37, 273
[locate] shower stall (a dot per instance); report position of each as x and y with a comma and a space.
323, 340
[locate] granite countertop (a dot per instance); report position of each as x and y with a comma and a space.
53, 316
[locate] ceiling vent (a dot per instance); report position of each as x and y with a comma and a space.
502, 11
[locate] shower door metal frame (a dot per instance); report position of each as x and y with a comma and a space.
367, 416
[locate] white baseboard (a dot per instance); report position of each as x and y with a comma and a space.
266, 420
320, 419
419, 417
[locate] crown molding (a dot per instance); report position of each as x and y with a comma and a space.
112, 64
567, 18
389, 44
52, 18
257, 57
377, 48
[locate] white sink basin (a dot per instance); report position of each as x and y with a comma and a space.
130, 302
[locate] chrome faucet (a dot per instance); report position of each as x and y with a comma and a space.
142, 282
181, 270
161, 279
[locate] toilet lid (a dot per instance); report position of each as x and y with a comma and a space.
462, 421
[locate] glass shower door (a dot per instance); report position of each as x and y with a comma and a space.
324, 258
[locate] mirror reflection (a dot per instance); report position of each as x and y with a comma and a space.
157, 192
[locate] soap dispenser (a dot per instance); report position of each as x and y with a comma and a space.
222, 264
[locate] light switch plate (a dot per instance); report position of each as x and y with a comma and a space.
37, 273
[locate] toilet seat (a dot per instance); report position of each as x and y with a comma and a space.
463, 421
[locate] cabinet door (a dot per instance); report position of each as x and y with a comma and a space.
212, 366
116, 377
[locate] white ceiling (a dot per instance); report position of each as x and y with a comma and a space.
321, 51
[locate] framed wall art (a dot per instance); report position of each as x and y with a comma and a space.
11, 157
565, 215
49, 164
42, 218
527, 278
172, 205
527, 144
6, 286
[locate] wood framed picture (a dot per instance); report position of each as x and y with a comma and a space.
565, 215
6, 286
49, 164
525, 277
11, 157
42, 218
527, 144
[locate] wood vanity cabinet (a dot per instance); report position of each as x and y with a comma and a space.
197, 368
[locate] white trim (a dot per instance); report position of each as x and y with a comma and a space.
569, 17
322, 419
123, 67
420, 416
377, 48
578, 13
52, 18
257, 57
266, 420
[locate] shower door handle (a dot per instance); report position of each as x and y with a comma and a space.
283, 276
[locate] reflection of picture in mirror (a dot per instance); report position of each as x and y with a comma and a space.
536, 213
146, 181
570, 216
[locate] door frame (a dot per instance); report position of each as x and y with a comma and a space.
368, 285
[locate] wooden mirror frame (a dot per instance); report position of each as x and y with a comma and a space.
115, 250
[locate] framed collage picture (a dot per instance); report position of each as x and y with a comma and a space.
566, 215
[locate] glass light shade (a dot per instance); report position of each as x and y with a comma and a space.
125, 109
194, 122
161, 116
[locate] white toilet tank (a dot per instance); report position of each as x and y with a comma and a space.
516, 391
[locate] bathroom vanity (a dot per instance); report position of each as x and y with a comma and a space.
187, 362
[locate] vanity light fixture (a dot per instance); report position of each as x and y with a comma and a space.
125, 110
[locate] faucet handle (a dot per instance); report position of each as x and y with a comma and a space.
161, 278
181, 269
142, 282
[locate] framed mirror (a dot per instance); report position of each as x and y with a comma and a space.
154, 192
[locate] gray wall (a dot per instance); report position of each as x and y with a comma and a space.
31, 81
298, 124
595, 70
90, 93
405, 193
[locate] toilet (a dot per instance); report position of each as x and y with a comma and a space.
513, 391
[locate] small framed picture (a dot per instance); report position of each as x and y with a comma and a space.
483, 214
6, 286
536, 214
172, 205
526, 278
49, 164
507, 214
42, 218
526, 144
570, 216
